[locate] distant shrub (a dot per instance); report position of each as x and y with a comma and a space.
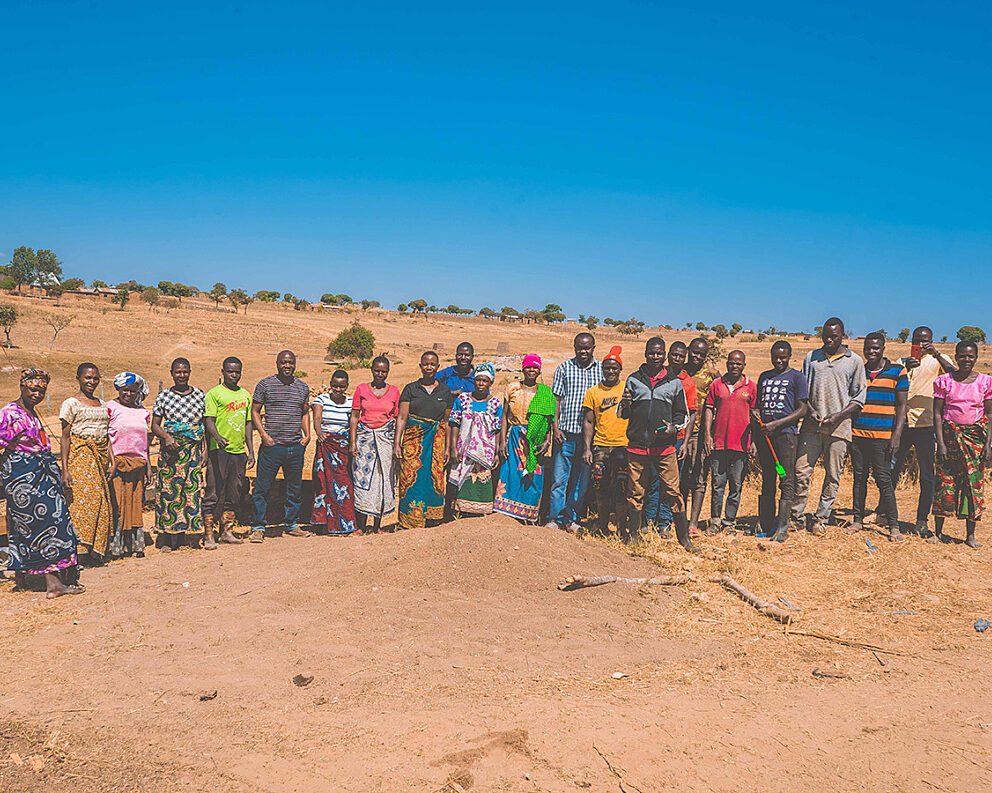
354, 342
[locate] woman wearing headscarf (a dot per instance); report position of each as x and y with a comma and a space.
375, 407
473, 439
528, 408
86, 462
177, 421
130, 470
42, 538
421, 446
962, 405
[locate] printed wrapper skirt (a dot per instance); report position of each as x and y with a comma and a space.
374, 470
421, 475
334, 497
179, 484
518, 493
89, 499
961, 477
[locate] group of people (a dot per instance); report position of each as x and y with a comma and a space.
446, 446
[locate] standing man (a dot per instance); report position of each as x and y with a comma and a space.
877, 432
923, 366
727, 437
285, 434
783, 399
227, 416
696, 464
460, 378
654, 402
606, 441
570, 474
837, 390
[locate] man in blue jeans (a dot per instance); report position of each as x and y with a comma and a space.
285, 433
569, 473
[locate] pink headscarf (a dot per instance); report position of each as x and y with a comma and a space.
531, 360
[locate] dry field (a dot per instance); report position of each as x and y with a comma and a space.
447, 659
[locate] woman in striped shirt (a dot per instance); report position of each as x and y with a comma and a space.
334, 496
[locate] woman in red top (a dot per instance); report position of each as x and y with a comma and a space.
374, 409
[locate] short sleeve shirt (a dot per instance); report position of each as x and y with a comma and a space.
376, 411
335, 419
964, 403
779, 394
284, 405
455, 382
184, 408
128, 430
430, 406
231, 414
611, 430
732, 413
878, 417
86, 421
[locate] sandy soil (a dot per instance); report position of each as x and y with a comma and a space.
447, 660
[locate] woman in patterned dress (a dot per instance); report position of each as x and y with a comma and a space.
177, 421
474, 439
42, 539
86, 461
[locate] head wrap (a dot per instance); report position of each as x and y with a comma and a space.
34, 377
486, 370
130, 378
614, 354
531, 360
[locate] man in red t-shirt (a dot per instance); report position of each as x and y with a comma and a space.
727, 437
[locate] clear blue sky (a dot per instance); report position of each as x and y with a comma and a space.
672, 162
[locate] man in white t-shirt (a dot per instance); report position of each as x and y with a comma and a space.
918, 432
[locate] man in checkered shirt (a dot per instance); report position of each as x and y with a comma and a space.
570, 475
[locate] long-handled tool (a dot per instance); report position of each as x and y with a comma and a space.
779, 468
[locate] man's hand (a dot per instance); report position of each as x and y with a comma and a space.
305, 441
928, 348
250, 462
542, 450
267, 440
587, 457
221, 441
707, 446
559, 435
752, 450
942, 451
894, 443
912, 363
756, 417
626, 399
681, 451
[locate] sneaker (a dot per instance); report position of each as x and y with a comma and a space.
551, 524
296, 531
257, 535
574, 528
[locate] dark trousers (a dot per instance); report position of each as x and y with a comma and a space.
289, 457
871, 454
727, 465
225, 482
922, 439
785, 445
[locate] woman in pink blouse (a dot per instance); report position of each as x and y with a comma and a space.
129, 471
962, 404
374, 409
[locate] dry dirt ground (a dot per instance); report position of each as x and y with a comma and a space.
446, 659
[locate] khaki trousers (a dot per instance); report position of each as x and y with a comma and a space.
639, 479
813, 446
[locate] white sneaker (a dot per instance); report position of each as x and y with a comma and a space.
574, 527
551, 525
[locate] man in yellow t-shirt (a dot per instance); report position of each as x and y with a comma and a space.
606, 440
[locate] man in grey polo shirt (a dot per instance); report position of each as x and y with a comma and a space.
837, 390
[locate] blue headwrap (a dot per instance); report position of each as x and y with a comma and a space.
130, 378
487, 370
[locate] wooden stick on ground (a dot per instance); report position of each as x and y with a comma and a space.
582, 581
874, 648
765, 607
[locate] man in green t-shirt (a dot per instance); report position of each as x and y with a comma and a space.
228, 420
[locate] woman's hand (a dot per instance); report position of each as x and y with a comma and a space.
112, 469
397, 452
321, 437
353, 449
170, 444
542, 450
66, 480
942, 451
148, 474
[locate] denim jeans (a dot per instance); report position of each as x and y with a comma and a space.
922, 439
289, 457
871, 454
725, 465
656, 511
785, 445
570, 480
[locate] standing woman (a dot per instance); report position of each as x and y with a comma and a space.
474, 436
375, 407
962, 404
177, 421
529, 408
334, 496
130, 470
421, 446
42, 538
86, 461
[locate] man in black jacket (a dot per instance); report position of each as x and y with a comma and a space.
654, 403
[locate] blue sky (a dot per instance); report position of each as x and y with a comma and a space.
769, 164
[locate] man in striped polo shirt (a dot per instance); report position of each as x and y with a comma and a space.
877, 432
285, 433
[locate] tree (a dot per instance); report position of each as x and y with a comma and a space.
58, 323
418, 306
237, 297
56, 290
688, 325
353, 343
432, 309
509, 311
246, 301
72, 284
48, 268
904, 334
943, 339
486, 312
98, 284
721, 331
736, 328
591, 322
630, 327
23, 267
218, 293
121, 298
700, 326
402, 307
367, 304
266, 296
8, 318
288, 298
971, 333
300, 303
150, 295
552, 313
